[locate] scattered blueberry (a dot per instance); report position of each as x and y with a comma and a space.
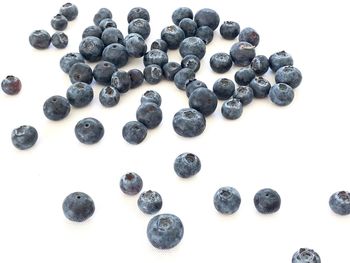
192, 46
305, 255
203, 100
80, 94
116, 54
59, 40
24, 137
339, 202
173, 36
187, 165
150, 202
244, 76
11, 85
189, 122
134, 132
191, 62
279, 60
109, 96
183, 76
289, 75
242, 53
136, 46
59, 22
136, 78
103, 72
205, 33
260, 64
91, 48
153, 74
249, 35
78, 207
92, 31
107, 23
232, 109
131, 183
227, 200
155, 56
121, 81
112, 35
149, 114
260, 87
207, 17
245, 94
40, 39
69, 10
160, 44
140, 26
68, 60
194, 84
151, 96
229, 30
224, 88
220, 62
80, 72
89, 131
170, 69
181, 13
138, 12
56, 108
281, 94
103, 13
188, 26
267, 201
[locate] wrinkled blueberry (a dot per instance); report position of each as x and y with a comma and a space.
78, 207
187, 165
24, 137
260, 64
150, 202
89, 131
305, 255
59, 40
189, 122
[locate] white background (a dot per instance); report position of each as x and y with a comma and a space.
301, 150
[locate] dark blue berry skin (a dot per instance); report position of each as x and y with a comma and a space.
194, 84
260, 87
232, 109
56, 108
229, 30
149, 114
245, 94
136, 46
24, 137
103, 72
183, 77
279, 60
281, 94
187, 165
11, 85
89, 131
107, 23
260, 64
131, 183
224, 88
80, 72
103, 13
181, 13
151, 96
267, 201
189, 123
150, 202
249, 35
78, 207
165, 231
244, 76
193, 46
141, 27
189, 27
121, 81
69, 10
109, 96
170, 69
80, 94
134, 132
220, 62
59, 22
207, 17
40, 39
136, 77
153, 74
68, 60
227, 200
91, 48
59, 40
92, 31
191, 62
339, 202
305, 255
173, 36
112, 35
242, 54
203, 100
116, 54
289, 75
160, 44
205, 33
155, 57
138, 12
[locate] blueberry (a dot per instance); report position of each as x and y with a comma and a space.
165, 231
189, 27
136, 46
69, 10
189, 122
340, 203
224, 88
89, 131
267, 201
242, 54
40, 39
11, 85
203, 100
151, 96
173, 36
232, 109
244, 76
131, 183
140, 26
78, 207
183, 76
121, 81
116, 54
193, 46
187, 165
260, 64
109, 96
103, 13
134, 132
80, 72
220, 62
56, 108
289, 75
103, 72
191, 62
205, 33
281, 94
305, 255
207, 17
24, 137
68, 60
150, 202
260, 87
153, 74
107, 23
160, 44
229, 30
149, 114
245, 94
170, 69
194, 84
227, 200
136, 78
80, 94
155, 56
249, 35
59, 40
279, 60
92, 31
59, 22
138, 12
91, 48
180, 14
112, 35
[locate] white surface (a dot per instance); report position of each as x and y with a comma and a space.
300, 150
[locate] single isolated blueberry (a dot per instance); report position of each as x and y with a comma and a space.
203, 100
140, 26
339, 202
227, 200
189, 27
207, 17
136, 77
138, 12
281, 94
150, 202
80, 94
81, 72
131, 183
160, 44
78, 207
170, 69
91, 48
40, 39
134, 132
232, 109
191, 62
112, 35
136, 46
69, 10
149, 114
107, 23
181, 13
153, 74
151, 96
260, 64
224, 88
109, 96
155, 56
205, 33
229, 30
289, 75
306, 255
183, 77
11, 85
242, 53
116, 54
279, 60
173, 36
245, 94
56, 108
59, 40
92, 31
267, 201
220, 62
121, 81
68, 60
59, 22
189, 122
249, 35
103, 72
24, 137
192, 46
260, 87
244, 76
103, 13
194, 84
187, 165
89, 131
